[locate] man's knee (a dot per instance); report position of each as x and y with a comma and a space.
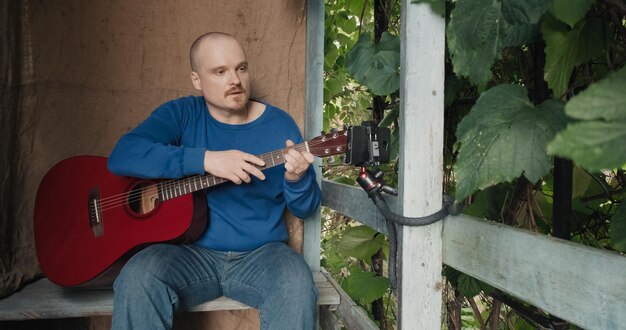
142, 272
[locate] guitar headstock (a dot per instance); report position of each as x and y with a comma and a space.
329, 144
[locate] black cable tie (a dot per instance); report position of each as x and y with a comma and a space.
449, 207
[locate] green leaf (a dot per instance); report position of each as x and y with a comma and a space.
472, 38
366, 286
480, 29
388, 42
594, 145
599, 141
505, 136
383, 77
345, 22
359, 59
570, 11
618, 228
390, 117
361, 242
487, 204
567, 48
376, 66
470, 286
581, 182
605, 99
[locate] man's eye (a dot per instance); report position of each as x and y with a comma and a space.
219, 72
243, 68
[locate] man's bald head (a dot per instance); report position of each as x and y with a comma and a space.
207, 37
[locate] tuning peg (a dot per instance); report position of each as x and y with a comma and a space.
323, 133
331, 160
333, 130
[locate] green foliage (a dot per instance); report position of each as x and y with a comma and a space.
568, 48
488, 203
570, 11
618, 228
506, 124
505, 136
360, 242
376, 65
467, 285
365, 286
598, 140
480, 29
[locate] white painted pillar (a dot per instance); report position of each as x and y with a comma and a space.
313, 116
421, 165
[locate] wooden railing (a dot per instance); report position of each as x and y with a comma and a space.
577, 283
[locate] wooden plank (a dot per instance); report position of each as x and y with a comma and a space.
421, 164
352, 316
45, 300
577, 283
327, 320
353, 202
314, 99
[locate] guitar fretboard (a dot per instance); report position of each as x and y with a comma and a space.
176, 188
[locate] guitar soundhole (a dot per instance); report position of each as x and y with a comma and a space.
143, 198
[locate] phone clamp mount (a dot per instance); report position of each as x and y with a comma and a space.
369, 145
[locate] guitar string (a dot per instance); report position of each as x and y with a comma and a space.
106, 202
169, 184
136, 195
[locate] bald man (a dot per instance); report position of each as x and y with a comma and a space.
243, 254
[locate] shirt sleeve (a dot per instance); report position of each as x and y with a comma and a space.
152, 150
303, 196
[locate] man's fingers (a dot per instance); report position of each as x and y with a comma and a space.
253, 170
308, 157
254, 160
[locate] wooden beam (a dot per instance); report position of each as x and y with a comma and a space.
314, 99
580, 284
45, 300
352, 316
421, 164
353, 202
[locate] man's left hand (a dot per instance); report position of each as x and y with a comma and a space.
296, 162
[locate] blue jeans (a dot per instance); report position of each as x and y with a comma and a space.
162, 279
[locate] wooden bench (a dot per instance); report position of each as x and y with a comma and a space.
45, 300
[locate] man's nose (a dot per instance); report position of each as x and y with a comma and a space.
234, 78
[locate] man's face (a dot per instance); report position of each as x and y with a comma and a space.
222, 74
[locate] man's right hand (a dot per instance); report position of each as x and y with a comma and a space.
234, 165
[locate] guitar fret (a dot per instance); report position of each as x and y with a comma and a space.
160, 195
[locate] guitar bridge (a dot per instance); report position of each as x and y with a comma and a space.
95, 213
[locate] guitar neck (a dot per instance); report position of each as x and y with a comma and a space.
176, 188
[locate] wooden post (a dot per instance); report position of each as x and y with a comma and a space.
421, 164
313, 123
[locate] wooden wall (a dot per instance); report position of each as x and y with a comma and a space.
88, 71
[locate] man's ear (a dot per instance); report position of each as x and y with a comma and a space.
195, 80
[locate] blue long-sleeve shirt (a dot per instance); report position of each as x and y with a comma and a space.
171, 143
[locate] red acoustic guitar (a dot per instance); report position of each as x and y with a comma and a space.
88, 221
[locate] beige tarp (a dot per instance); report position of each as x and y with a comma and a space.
81, 73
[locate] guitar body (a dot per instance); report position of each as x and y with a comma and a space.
72, 253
